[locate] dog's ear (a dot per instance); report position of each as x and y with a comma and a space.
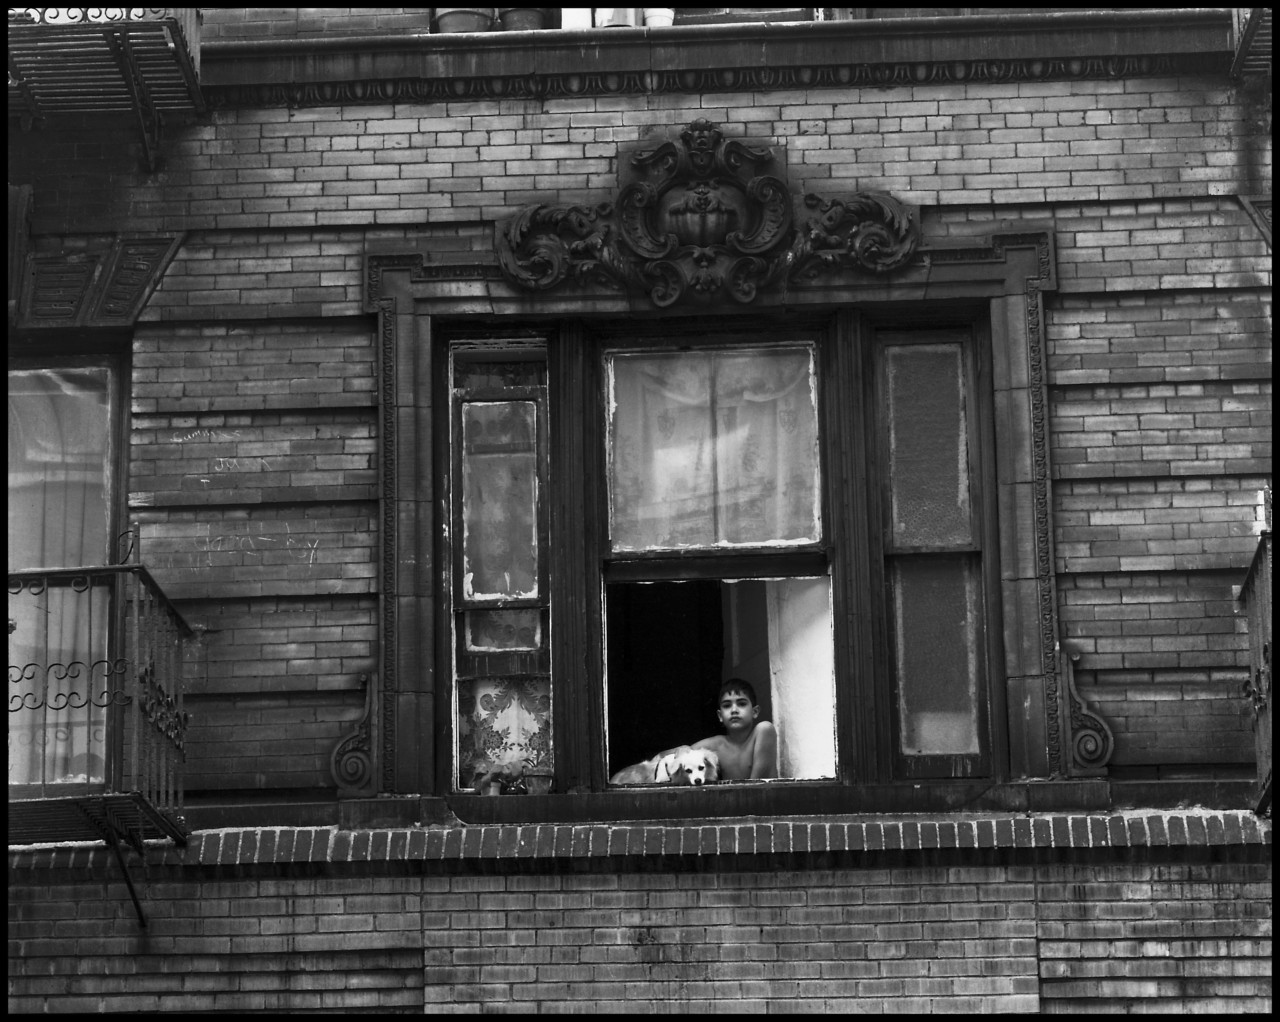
713, 764
665, 768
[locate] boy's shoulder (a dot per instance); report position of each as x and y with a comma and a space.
718, 742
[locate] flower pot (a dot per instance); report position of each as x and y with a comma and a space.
522, 19
658, 17
492, 788
464, 19
616, 17
538, 780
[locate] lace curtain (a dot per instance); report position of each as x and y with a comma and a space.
502, 720
713, 449
59, 456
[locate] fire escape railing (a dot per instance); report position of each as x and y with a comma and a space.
104, 60
96, 720
1255, 597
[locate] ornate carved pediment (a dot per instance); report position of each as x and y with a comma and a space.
704, 217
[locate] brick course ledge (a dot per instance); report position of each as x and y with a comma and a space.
560, 843
561, 64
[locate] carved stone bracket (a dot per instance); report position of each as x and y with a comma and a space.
703, 217
351, 763
1091, 740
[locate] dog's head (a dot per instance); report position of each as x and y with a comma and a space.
690, 766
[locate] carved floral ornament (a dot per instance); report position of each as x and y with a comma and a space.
701, 217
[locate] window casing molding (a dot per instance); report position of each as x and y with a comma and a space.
996, 282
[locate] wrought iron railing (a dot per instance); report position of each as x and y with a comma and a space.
186, 21
96, 671
93, 15
1255, 596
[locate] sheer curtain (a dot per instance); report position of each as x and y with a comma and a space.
713, 449
59, 458
502, 720
802, 675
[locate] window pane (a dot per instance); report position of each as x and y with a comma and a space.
499, 500
490, 378
489, 631
713, 449
937, 628
502, 720
928, 445
59, 433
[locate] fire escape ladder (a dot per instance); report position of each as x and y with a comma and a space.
33, 112
144, 109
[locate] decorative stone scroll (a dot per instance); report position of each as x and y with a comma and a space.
1092, 741
704, 218
352, 761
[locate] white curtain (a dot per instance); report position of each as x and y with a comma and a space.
802, 675
59, 482
713, 449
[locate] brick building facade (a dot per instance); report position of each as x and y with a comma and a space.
347, 232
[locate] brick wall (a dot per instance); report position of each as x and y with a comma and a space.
1161, 435
252, 482
962, 147
1159, 337
252, 462
1131, 938
372, 922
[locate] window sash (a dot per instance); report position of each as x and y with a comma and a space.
501, 697
712, 449
933, 543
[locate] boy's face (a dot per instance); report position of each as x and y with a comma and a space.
736, 712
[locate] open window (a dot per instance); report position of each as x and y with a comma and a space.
638, 516
671, 644
714, 561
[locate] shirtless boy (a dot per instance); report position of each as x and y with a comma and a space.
749, 747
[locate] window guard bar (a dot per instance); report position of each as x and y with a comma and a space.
131, 671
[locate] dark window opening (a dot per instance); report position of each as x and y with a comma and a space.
671, 644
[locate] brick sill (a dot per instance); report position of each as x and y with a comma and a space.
774, 801
803, 842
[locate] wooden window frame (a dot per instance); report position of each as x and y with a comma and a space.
999, 280
852, 551
810, 559
981, 445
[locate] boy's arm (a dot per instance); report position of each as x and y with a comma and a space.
764, 759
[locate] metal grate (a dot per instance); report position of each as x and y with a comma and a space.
98, 67
127, 817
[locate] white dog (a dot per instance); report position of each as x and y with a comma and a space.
684, 765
